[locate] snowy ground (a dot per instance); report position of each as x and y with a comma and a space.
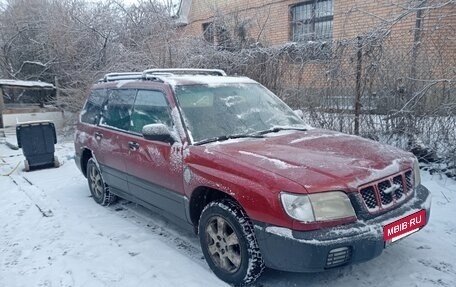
53, 234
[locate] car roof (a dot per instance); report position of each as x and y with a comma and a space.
173, 77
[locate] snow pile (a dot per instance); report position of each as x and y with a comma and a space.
28, 84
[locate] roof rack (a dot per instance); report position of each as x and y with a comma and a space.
154, 74
185, 71
121, 76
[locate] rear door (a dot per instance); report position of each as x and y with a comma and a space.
155, 168
88, 123
112, 138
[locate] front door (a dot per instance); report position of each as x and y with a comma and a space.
155, 168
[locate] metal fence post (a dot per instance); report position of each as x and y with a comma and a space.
359, 58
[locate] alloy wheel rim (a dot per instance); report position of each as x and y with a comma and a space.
223, 245
95, 180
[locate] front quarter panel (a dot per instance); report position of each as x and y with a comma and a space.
257, 191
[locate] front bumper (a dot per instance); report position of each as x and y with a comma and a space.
313, 251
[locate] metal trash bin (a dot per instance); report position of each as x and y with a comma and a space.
37, 140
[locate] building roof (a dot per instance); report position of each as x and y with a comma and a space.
26, 84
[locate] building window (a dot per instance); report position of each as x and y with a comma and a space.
208, 32
312, 21
217, 34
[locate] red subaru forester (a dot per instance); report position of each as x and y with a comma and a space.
226, 157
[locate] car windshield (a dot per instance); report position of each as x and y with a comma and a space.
233, 110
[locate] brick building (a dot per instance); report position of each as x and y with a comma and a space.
275, 22
420, 41
280, 21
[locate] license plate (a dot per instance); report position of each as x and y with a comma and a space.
404, 226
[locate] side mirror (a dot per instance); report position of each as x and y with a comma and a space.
157, 132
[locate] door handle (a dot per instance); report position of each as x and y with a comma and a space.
133, 146
98, 136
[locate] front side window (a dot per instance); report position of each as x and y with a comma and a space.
92, 109
150, 108
232, 109
117, 110
312, 21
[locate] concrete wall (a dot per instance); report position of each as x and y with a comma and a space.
10, 119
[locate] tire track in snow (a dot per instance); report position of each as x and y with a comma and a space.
169, 233
155, 223
36, 195
133, 216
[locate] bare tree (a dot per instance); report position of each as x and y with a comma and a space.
373, 83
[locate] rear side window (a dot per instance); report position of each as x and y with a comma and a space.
150, 108
118, 108
92, 109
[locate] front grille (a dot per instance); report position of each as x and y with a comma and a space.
338, 256
409, 180
386, 196
387, 192
369, 197
397, 181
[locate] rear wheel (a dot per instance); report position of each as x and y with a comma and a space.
98, 188
229, 244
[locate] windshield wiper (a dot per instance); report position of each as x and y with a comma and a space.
278, 129
251, 135
228, 137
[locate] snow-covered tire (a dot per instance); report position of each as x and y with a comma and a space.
98, 188
229, 244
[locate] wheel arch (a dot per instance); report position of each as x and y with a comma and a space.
202, 196
85, 156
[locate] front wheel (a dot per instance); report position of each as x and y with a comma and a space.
98, 188
229, 244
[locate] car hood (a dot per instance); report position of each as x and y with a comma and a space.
318, 159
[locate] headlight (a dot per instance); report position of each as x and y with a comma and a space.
298, 207
416, 172
317, 207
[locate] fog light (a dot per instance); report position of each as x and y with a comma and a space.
338, 256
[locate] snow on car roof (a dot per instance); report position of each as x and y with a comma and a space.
20, 83
181, 80
176, 80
